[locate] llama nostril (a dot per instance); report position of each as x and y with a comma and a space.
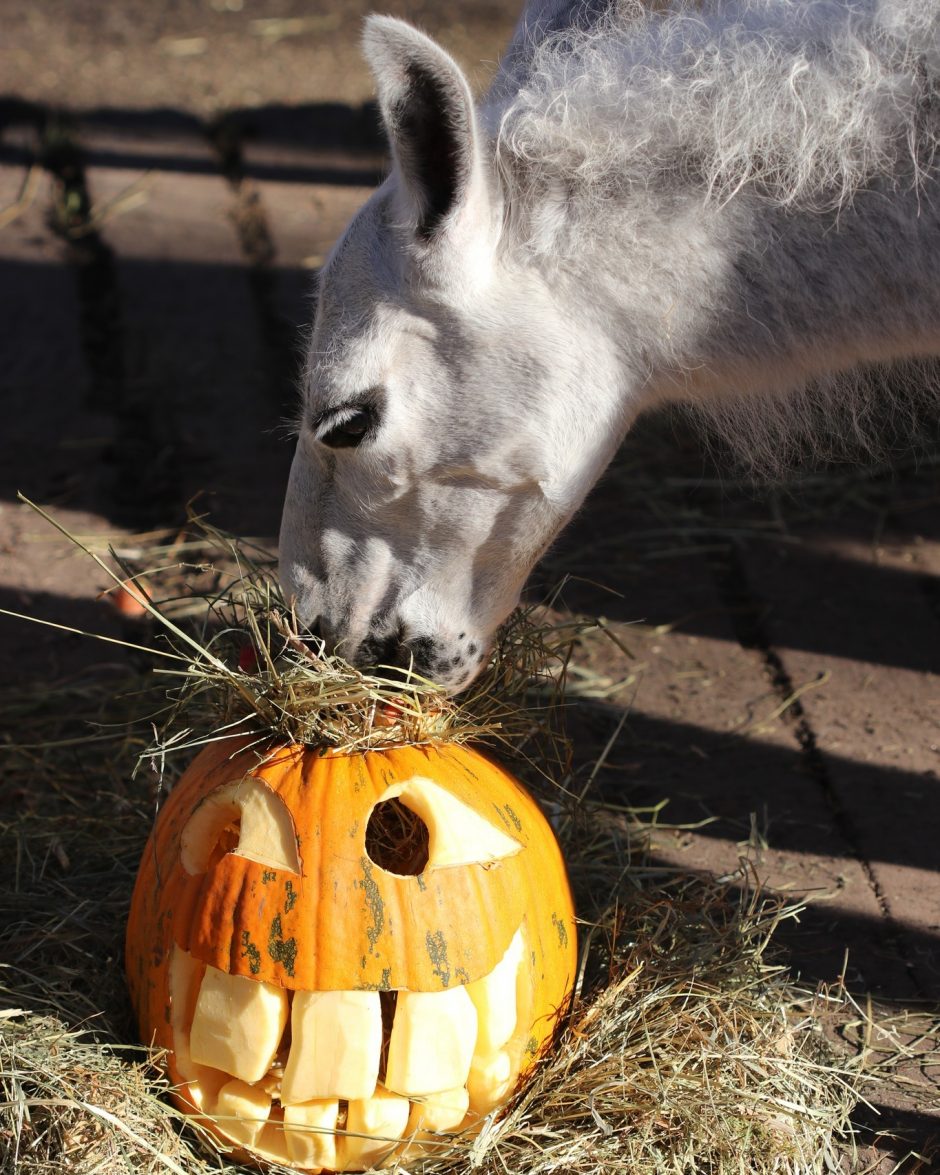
383, 653
391, 653
422, 651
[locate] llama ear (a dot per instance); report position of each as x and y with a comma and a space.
428, 113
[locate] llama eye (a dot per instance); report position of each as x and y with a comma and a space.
345, 428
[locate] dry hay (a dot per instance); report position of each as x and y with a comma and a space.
687, 1048
235, 663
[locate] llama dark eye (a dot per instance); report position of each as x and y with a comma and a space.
345, 428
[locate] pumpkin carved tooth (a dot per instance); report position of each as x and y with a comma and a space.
237, 1024
446, 1018
185, 977
309, 1133
494, 997
243, 1111
439, 1111
490, 1080
373, 1126
336, 1046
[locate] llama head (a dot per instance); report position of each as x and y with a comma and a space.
440, 401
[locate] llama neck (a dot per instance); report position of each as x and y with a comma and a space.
744, 196
705, 302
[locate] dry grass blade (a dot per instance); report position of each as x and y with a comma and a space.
693, 1054
245, 667
79, 1107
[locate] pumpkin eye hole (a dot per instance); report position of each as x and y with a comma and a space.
397, 839
245, 818
227, 843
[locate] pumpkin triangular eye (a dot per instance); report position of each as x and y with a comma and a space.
456, 834
248, 810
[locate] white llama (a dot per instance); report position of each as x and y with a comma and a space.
730, 204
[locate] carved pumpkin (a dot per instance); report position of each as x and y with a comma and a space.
326, 1000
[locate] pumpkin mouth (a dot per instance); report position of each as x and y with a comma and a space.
340, 1079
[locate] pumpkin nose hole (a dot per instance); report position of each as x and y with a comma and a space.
397, 839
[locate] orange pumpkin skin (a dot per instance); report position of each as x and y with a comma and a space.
339, 922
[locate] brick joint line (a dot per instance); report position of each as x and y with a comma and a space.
144, 454
746, 613
252, 227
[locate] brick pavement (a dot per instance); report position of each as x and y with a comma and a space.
787, 650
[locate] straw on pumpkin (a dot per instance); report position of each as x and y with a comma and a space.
246, 667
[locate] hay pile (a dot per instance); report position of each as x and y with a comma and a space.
687, 1049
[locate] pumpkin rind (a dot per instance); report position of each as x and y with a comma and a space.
342, 923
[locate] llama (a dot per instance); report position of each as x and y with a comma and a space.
731, 205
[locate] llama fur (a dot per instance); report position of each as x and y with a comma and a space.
774, 120
727, 207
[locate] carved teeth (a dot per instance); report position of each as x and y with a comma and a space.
491, 1077
439, 1111
243, 1111
336, 1044
432, 1041
456, 1052
308, 1131
373, 1126
237, 1024
185, 978
494, 997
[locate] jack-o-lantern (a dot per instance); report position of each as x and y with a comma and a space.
345, 954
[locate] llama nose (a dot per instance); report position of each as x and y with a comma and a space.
393, 652
385, 652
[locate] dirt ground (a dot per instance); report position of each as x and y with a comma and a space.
170, 178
